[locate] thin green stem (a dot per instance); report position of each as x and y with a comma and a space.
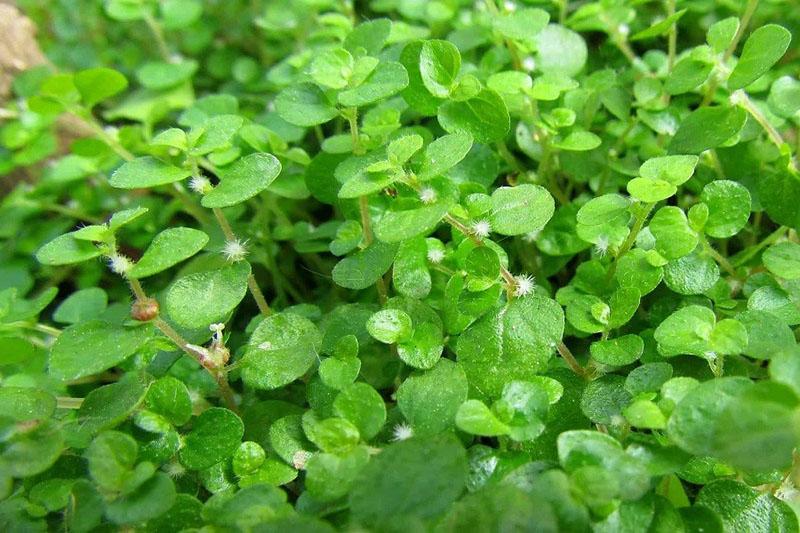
63, 210
366, 227
66, 402
748, 105
672, 43
507, 276
752, 252
510, 158
749, 10
158, 35
638, 224
573, 363
352, 119
89, 121
719, 258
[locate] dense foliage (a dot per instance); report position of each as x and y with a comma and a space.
300, 265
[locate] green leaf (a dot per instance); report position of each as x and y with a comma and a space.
330, 476
560, 51
474, 417
619, 351
397, 226
244, 179
578, 141
390, 326
304, 104
659, 28
109, 405
721, 33
686, 331
281, 349
416, 478
674, 237
153, 498
363, 406
439, 64
169, 397
369, 36
90, 347
783, 260
691, 274
765, 335
98, 84
160, 75
430, 399
387, 79
21, 404
335, 435
521, 209
416, 94
65, 250
443, 154
364, 268
28, 453
521, 24
694, 422
332, 68
687, 74
111, 457
145, 172
511, 343
483, 116
784, 96
706, 128
765, 46
728, 208
81, 305
649, 190
203, 298
674, 169
215, 435
167, 249
757, 431
410, 274
742, 508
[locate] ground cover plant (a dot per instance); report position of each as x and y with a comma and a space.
311, 265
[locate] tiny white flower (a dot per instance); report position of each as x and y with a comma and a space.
787, 491
601, 246
524, 285
217, 329
119, 264
199, 184
624, 30
402, 432
509, 5
300, 458
235, 250
435, 256
427, 195
266, 345
174, 470
529, 63
481, 228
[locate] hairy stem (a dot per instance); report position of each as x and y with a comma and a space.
252, 284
